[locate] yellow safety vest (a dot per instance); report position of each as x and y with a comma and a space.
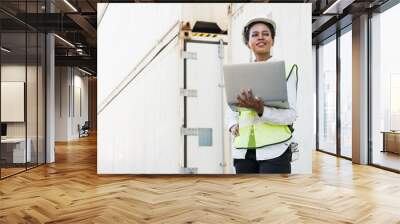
254, 133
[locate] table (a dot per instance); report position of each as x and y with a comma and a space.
391, 141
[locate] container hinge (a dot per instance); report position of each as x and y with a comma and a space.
189, 131
189, 55
188, 92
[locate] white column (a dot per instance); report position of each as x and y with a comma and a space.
50, 100
50, 92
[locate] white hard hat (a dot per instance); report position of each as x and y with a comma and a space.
256, 20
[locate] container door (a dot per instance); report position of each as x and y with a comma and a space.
204, 74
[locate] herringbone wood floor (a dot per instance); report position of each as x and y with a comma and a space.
70, 191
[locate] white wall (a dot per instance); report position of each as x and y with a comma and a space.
61, 103
292, 44
81, 104
67, 115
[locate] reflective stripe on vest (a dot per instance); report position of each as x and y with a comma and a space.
254, 133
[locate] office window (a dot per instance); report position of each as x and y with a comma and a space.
327, 97
385, 89
346, 94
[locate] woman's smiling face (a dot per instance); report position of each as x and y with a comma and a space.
260, 39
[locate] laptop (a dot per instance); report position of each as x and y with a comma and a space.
266, 79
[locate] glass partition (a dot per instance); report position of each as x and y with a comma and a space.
14, 153
22, 77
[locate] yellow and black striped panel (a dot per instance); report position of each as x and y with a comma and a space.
212, 35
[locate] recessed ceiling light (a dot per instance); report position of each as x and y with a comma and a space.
64, 40
5, 50
337, 7
86, 72
70, 5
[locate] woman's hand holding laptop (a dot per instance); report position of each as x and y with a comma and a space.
246, 99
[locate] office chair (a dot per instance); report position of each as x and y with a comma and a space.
84, 130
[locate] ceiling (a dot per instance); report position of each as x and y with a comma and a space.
76, 25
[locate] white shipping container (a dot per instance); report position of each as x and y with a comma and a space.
141, 115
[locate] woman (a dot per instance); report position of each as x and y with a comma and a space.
272, 154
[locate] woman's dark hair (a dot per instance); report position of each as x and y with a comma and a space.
247, 30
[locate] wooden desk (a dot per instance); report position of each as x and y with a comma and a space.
13, 150
391, 142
